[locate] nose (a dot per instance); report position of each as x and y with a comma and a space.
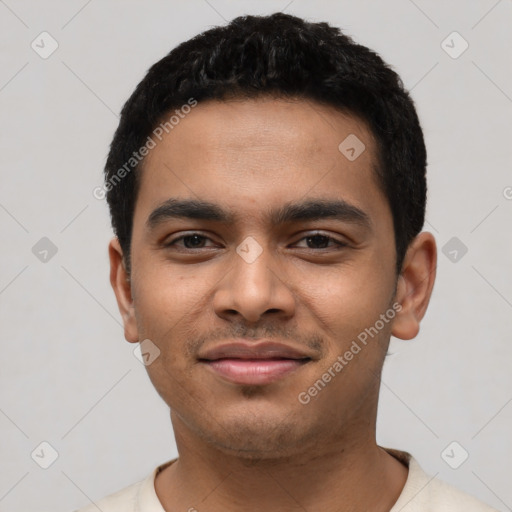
253, 288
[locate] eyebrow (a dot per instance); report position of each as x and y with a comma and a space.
313, 209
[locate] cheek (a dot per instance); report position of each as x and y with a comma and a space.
164, 304
354, 285
346, 302
163, 298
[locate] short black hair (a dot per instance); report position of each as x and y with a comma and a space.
285, 56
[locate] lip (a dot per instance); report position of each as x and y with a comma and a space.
241, 349
254, 363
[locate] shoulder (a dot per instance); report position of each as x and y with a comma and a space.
443, 497
124, 500
138, 497
426, 493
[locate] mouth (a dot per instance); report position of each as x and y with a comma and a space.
250, 363
254, 371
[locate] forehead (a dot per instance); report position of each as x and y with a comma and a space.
251, 153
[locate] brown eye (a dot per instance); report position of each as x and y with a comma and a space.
321, 241
191, 241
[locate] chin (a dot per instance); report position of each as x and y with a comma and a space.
253, 436
256, 450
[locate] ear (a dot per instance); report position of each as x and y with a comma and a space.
120, 281
415, 285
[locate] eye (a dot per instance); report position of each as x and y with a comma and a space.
190, 241
320, 241
193, 241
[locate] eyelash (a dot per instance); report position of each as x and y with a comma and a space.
339, 244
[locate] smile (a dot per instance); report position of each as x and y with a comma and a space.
254, 371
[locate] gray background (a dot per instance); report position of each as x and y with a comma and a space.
67, 375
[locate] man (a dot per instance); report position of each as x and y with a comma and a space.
267, 190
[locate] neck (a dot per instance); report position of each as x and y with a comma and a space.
350, 470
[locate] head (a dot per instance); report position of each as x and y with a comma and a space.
273, 188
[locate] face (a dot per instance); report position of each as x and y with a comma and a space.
251, 226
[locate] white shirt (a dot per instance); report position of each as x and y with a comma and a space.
421, 493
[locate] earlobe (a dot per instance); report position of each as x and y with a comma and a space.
120, 281
415, 284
